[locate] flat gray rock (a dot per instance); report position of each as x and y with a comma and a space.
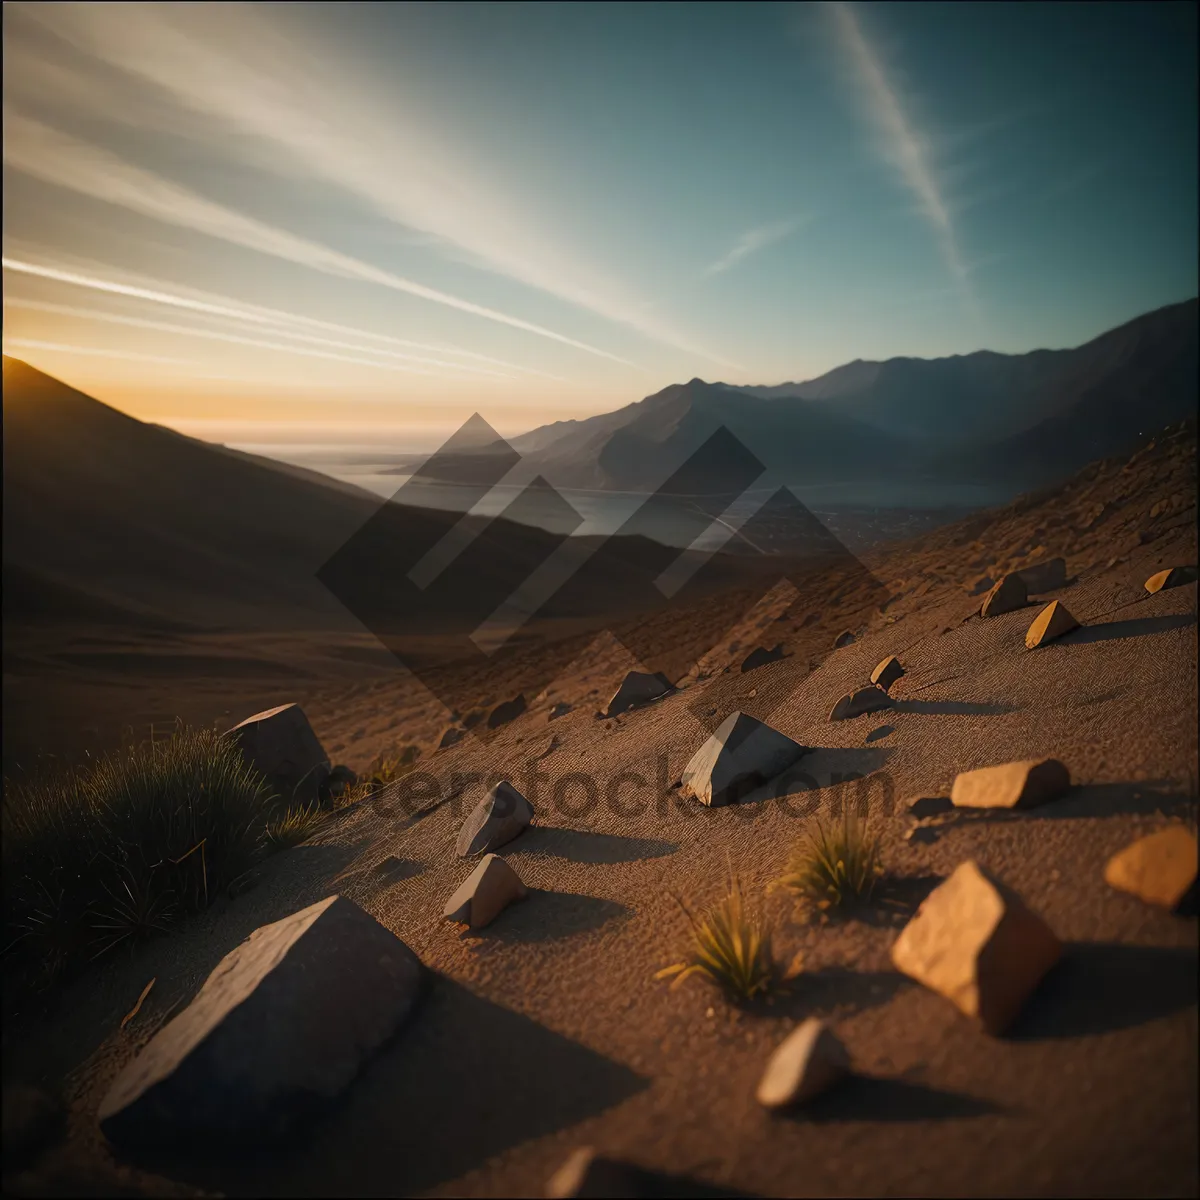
498, 818
637, 688
743, 754
279, 1029
281, 744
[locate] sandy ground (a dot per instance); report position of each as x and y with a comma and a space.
548, 1031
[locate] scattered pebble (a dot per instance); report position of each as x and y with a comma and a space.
809, 1061
1159, 869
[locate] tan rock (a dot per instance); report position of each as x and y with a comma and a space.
1174, 577
487, 891
1006, 596
1052, 622
1160, 869
974, 942
807, 1062
1011, 785
887, 672
864, 700
741, 755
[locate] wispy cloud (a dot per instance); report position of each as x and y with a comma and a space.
902, 144
289, 102
56, 158
752, 241
94, 351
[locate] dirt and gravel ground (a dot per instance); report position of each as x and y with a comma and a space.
548, 1031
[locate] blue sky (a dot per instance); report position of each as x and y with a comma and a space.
395, 215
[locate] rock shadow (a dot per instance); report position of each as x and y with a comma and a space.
954, 708
878, 734
1138, 627
584, 846
464, 1080
874, 1098
545, 916
828, 991
1102, 987
1091, 800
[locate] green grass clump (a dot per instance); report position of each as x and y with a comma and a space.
834, 865
731, 947
100, 856
296, 825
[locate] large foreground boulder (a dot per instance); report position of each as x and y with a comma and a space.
743, 754
485, 894
1159, 869
1022, 784
282, 745
279, 1029
1007, 596
637, 688
498, 818
974, 942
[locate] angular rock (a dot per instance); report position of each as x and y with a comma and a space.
32, 1120
1052, 622
279, 1029
498, 818
1007, 596
486, 892
1046, 576
1022, 784
863, 700
808, 1062
887, 672
741, 755
845, 638
637, 688
451, 737
1159, 869
280, 743
1173, 577
974, 942
559, 710
929, 806
760, 656
510, 710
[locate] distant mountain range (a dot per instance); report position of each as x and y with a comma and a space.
1016, 421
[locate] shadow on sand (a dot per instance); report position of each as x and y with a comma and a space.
1092, 800
583, 846
1101, 987
953, 708
464, 1080
545, 916
872, 1098
1139, 627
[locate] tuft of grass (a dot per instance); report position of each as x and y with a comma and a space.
731, 947
834, 866
296, 825
99, 856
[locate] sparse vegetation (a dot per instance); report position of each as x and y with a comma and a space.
296, 825
835, 865
100, 856
731, 946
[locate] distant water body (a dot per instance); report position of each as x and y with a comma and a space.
604, 512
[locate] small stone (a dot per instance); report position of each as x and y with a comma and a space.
281, 1027
510, 710
498, 818
1047, 576
1159, 869
761, 656
1011, 785
1173, 577
637, 688
930, 806
974, 942
864, 700
1006, 596
559, 710
845, 638
808, 1062
451, 737
487, 891
887, 672
741, 755
1052, 622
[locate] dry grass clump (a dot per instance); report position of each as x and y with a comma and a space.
835, 865
731, 947
99, 856
296, 825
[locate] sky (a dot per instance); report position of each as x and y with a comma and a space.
323, 223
